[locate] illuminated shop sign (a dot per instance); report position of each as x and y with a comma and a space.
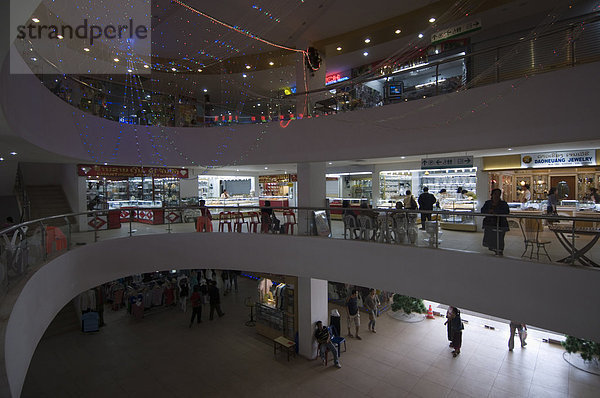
455, 31
95, 170
335, 78
585, 157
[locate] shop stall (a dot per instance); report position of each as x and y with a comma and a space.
276, 306
119, 189
571, 173
279, 188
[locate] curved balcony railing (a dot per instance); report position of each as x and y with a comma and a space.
570, 241
406, 78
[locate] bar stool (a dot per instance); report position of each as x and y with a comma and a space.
224, 219
254, 221
239, 221
289, 220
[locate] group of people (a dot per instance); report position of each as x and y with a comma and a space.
203, 285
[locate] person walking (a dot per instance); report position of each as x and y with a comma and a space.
372, 303
517, 327
214, 300
324, 339
196, 301
456, 327
448, 326
426, 202
353, 313
226, 282
495, 227
183, 286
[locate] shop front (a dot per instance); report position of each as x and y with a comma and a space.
134, 193
454, 189
572, 174
279, 189
356, 187
276, 305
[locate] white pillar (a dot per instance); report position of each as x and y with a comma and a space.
311, 192
482, 184
376, 189
312, 307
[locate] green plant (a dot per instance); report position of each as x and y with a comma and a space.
408, 304
589, 350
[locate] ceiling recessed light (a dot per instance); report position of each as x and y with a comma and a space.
116, 59
244, 75
420, 35
174, 69
367, 40
510, 149
13, 153
237, 169
34, 19
129, 70
199, 70
146, 66
398, 31
205, 90
266, 168
59, 37
271, 63
86, 49
431, 20
402, 157
257, 104
1, 159
339, 48
365, 53
248, 67
33, 59
330, 162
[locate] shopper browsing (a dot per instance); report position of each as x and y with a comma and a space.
196, 301
324, 339
456, 327
526, 195
372, 303
214, 299
495, 227
426, 202
517, 327
353, 314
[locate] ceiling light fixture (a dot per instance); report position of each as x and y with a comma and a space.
34, 19
205, 90
86, 49
271, 63
510, 149
146, 66
248, 67
266, 168
116, 59
365, 53
129, 70
13, 153
398, 31
432, 20
59, 37
402, 157
420, 35
174, 70
367, 40
244, 75
339, 48
1, 159
330, 162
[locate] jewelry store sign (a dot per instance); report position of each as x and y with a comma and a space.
585, 157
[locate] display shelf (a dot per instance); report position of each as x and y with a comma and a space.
462, 218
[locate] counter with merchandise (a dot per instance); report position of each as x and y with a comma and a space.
276, 307
144, 211
461, 218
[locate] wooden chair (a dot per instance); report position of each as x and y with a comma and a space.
531, 229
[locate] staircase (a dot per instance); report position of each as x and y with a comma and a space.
46, 201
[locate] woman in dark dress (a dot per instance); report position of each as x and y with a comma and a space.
494, 227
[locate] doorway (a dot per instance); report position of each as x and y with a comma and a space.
565, 187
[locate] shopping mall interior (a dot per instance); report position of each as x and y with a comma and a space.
276, 148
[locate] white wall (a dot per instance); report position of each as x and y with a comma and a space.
523, 112
555, 297
61, 174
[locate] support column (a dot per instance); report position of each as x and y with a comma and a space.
311, 193
482, 184
312, 307
376, 189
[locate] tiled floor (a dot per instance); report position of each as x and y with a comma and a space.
160, 356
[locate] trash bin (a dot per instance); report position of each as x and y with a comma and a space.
335, 321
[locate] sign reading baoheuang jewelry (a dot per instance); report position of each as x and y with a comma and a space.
96, 170
584, 157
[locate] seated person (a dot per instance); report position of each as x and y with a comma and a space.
346, 212
324, 339
365, 210
268, 220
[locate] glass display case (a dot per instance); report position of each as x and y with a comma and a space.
167, 190
461, 218
584, 183
450, 180
394, 184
